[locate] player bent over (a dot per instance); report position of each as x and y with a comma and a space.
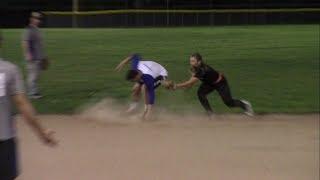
147, 75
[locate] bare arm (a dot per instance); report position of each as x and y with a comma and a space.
187, 84
123, 63
25, 50
28, 114
26, 37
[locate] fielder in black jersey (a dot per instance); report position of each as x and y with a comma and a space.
211, 80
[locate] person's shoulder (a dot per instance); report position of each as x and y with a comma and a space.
155, 62
208, 67
31, 28
146, 61
8, 65
194, 69
152, 63
28, 27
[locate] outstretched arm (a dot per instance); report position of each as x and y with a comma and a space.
187, 84
123, 63
134, 57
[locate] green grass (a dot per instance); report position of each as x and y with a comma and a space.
274, 67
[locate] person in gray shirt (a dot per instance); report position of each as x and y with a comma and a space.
12, 93
33, 50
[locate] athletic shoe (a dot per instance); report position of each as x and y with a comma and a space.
132, 107
248, 111
35, 96
210, 115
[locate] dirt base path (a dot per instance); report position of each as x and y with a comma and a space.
232, 147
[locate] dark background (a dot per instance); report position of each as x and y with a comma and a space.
14, 13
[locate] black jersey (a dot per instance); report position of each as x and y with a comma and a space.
206, 74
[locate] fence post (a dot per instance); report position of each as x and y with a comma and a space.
197, 16
167, 12
182, 19
75, 9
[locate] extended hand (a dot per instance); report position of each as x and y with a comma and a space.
170, 85
47, 137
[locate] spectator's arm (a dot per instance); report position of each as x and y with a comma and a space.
28, 114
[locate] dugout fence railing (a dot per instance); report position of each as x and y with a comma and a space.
156, 18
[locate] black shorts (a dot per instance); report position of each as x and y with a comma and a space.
8, 160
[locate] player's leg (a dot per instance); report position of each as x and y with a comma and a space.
136, 92
148, 111
32, 79
146, 98
203, 91
225, 93
135, 95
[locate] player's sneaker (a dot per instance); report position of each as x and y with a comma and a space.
248, 111
132, 107
35, 96
210, 115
